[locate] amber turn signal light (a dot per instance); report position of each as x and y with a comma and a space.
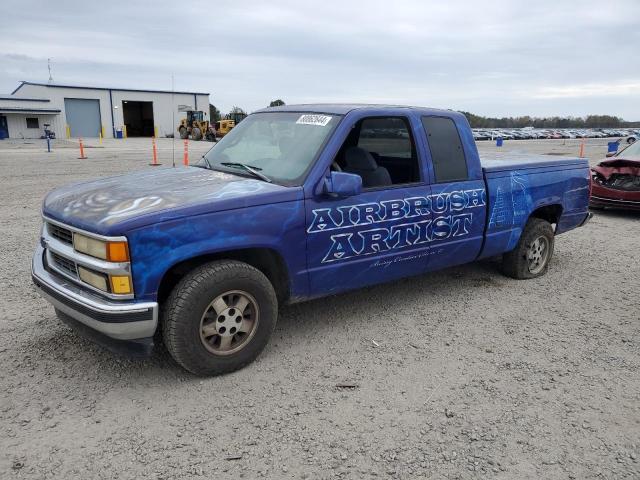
117, 252
121, 284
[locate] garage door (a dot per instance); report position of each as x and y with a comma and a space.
83, 116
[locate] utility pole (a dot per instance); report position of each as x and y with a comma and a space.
173, 123
49, 67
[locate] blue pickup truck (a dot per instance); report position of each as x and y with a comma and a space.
296, 202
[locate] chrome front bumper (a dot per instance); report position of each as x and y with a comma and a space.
119, 320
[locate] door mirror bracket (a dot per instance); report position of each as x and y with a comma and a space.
342, 185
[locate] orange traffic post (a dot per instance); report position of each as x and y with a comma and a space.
154, 162
185, 159
82, 155
582, 148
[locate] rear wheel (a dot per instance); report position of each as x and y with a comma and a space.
196, 133
219, 317
531, 257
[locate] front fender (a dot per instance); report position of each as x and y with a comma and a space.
155, 249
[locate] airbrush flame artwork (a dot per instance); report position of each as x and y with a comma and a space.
113, 200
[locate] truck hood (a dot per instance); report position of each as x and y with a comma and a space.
114, 205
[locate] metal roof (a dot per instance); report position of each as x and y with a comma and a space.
29, 110
23, 99
56, 85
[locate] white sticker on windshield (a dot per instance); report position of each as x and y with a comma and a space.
320, 120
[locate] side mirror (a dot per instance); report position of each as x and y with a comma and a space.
342, 185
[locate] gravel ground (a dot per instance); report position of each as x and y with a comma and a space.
458, 374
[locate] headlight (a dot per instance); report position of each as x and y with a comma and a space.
110, 251
90, 246
120, 284
95, 279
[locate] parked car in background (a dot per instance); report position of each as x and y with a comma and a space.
615, 182
481, 135
627, 135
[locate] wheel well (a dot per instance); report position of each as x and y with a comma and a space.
266, 260
550, 213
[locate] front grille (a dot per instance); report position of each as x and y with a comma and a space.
60, 233
64, 264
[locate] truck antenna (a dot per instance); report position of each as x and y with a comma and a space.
173, 121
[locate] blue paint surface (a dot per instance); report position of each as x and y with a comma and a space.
328, 244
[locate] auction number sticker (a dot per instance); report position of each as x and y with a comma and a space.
320, 120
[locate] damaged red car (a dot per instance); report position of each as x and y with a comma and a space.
615, 182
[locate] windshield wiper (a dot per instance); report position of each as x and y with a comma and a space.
207, 164
206, 160
250, 169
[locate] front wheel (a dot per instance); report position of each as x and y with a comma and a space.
196, 134
531, 257
219, 317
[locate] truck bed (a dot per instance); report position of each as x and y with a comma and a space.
519, 184
508, 161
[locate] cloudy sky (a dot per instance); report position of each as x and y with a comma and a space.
490, 57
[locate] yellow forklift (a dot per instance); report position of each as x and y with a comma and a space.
224, 126
196, 127
230, 120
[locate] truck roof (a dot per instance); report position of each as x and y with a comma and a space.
344, 108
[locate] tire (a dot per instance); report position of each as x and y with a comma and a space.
209, 137
631, 140
189, 312
183, 133
196, 134
520, 263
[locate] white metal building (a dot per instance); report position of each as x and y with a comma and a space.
75, 111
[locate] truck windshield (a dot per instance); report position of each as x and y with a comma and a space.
281, 145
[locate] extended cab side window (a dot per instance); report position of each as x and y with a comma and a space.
447, 154
382, 151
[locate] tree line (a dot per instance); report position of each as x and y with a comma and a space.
236, 112
478, 121
590, 121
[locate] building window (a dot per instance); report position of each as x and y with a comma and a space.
32, 123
